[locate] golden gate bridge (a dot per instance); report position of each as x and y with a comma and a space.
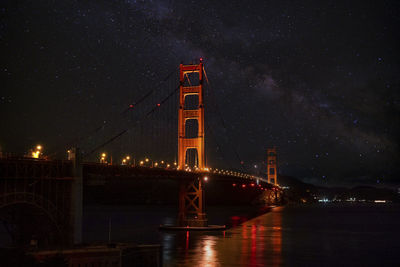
56, 187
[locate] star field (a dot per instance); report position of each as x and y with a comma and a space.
320, 81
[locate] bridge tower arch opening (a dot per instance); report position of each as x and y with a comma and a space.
192, 159
272, 170
191, 129
191, 145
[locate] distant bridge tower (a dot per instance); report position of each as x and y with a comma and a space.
191, 195
272, 166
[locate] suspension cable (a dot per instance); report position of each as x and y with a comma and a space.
223, 121
130, 107
158, 105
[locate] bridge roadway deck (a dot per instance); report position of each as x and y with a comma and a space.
62, 169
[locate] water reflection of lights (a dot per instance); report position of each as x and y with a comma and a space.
187, 240
277, 237
261, 241
167, 240
256, 242
208, 255
167, 243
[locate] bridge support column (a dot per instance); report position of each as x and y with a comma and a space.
191, 205
76, 197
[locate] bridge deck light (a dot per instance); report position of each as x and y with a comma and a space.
147, 160
205, 178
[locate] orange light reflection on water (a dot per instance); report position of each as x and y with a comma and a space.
257, 242
261, 241
209, 253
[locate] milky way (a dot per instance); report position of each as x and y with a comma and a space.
318, 81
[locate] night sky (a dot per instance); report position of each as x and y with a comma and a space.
317, 79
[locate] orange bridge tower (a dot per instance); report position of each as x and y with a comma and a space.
272, 166
185, 143
191, 195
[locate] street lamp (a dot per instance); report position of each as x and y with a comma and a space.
103, 158
36, 154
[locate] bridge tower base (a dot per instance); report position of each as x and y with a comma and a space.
191, 205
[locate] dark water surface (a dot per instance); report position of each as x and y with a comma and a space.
313, 235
